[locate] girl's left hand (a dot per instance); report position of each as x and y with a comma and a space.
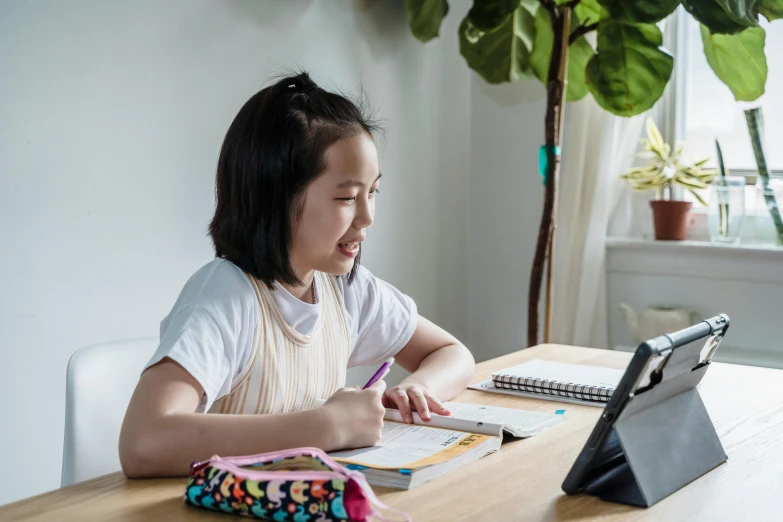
413, 397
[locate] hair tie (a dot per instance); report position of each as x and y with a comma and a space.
304, 88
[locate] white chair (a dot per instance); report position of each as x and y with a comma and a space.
98, 386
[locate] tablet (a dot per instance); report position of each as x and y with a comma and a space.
661, 368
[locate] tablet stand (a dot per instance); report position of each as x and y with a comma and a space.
666, 440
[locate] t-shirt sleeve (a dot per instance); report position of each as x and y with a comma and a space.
383, 318
209, 331
203, 347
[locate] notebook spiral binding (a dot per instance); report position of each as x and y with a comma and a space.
548, 387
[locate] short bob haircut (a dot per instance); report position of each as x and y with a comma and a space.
272, 151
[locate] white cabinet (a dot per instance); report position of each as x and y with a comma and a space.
744, 282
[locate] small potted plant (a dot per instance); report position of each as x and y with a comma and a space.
665, 169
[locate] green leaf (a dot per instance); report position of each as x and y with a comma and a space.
630, 70
501, 54
589, 12
741, 11
542, 46
488, 14
712, 14
425, 17
698, 197
639, 11
579, 53
771, 9
654, 135
690, 183
738, 60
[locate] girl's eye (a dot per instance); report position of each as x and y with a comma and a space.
352, 199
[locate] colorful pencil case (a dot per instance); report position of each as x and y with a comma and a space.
298, 485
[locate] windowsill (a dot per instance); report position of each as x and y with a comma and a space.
692, 246
700, 259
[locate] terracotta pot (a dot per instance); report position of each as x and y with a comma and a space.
670, 219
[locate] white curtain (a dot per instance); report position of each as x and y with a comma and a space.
597, 148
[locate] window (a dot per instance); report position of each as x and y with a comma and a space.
710, 110
704, 110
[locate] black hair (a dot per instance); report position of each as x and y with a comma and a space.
272, 151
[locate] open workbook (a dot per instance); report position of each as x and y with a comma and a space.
411, 454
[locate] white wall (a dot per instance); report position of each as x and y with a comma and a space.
111, 117
505, 201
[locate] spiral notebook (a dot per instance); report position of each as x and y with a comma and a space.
557, 380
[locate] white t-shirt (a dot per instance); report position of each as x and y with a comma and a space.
211, 327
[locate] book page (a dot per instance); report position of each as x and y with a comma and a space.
411, 446
453, 422
518, 421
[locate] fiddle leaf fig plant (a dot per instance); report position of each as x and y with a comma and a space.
624, 67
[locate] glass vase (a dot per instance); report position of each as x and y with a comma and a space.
769, 197
726, 209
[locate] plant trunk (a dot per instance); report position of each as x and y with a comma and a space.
555, 111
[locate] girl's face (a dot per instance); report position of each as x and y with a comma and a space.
339, 206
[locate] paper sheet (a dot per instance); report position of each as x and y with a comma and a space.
520, 421
411, 446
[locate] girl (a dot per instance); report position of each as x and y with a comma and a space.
270, 325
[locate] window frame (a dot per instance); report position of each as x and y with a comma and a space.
672, 106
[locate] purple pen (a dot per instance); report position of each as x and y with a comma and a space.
380, 373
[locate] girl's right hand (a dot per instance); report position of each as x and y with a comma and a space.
357, 415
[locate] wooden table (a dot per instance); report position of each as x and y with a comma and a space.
522, 481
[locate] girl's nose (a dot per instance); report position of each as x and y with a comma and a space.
365, 216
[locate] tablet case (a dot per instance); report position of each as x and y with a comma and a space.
666, 438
